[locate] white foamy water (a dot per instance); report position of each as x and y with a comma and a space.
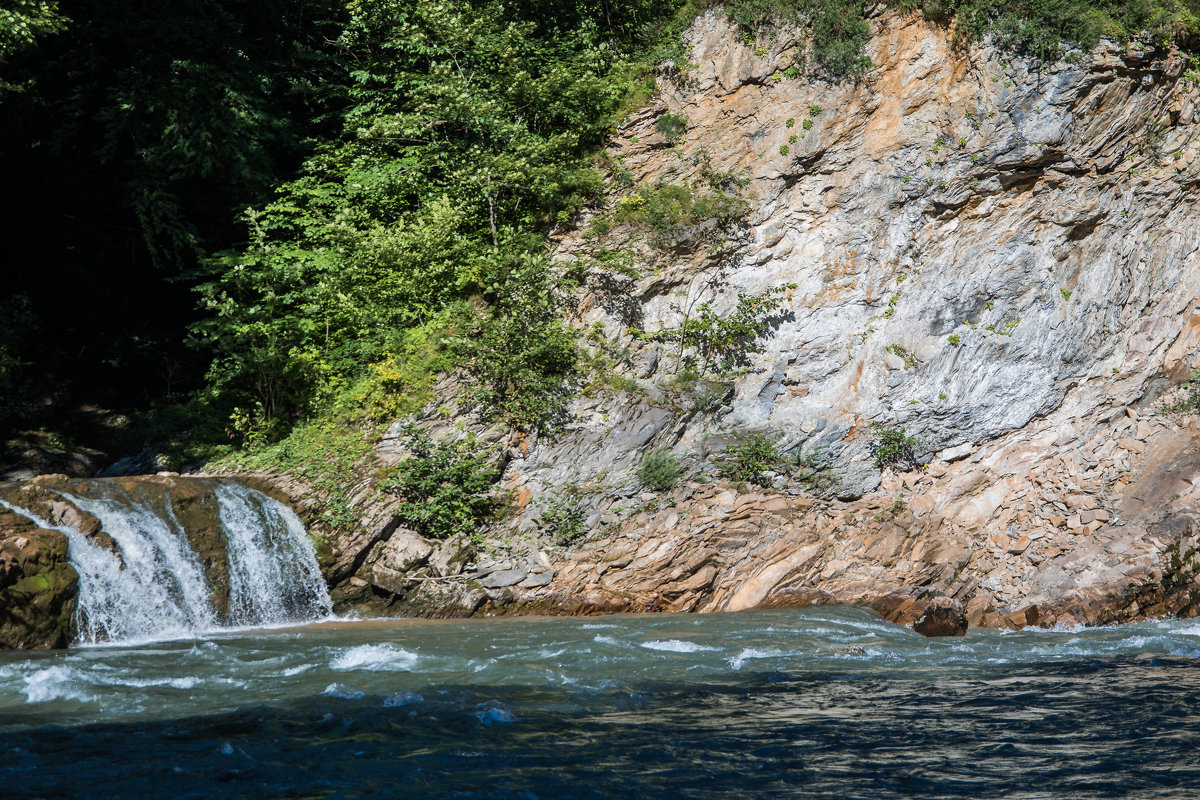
374, 657
273, 571
160, 591
395, 663
54, 683
677, 646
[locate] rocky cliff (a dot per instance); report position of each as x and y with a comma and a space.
996, 255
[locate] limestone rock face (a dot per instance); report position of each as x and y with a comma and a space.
1000, 257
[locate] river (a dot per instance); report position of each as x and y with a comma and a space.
828, 703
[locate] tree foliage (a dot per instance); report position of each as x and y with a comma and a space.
336, 182
470, 134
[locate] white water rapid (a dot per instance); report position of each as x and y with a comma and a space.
155, 587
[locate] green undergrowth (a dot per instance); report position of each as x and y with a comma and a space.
1188, 401
331, 454
446, 486
753, 459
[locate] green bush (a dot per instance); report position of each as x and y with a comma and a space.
723, 340
446, 486
671, 126
669, 209
518, 353
563, 517
659, 471
892, 446
749, 460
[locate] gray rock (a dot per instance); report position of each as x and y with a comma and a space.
451, 555
956, 453
405, 550
502, 578
538, 579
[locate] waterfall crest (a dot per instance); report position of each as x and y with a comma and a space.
154, 585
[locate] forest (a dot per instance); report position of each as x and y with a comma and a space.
236, 222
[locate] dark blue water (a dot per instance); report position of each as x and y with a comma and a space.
828, 704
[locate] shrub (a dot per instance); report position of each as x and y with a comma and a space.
659, 471
1189, 403
892, 446
749, 460
563, 517
671, 126
446, 486
724, 340
669, 209
518, 353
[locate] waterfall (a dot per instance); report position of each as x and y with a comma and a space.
273, 571
160, 592
156, 588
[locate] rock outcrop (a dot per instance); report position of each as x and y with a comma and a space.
37, 585
1000, 257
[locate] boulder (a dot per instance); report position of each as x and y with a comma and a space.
942, 617
37, 586
503, 578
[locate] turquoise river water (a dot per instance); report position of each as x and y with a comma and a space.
822, 703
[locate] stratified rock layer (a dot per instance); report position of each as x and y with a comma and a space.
999, 258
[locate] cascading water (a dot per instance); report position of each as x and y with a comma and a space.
273, 573
161, 590
155, 587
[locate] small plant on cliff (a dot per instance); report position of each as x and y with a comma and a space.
659, 471
446, 486
668, 210
1189, 401
724, 340
907, 356
562, 515
894, 510
749, 460
671, 126
892, 446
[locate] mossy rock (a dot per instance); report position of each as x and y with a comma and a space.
198, 512
38, 588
